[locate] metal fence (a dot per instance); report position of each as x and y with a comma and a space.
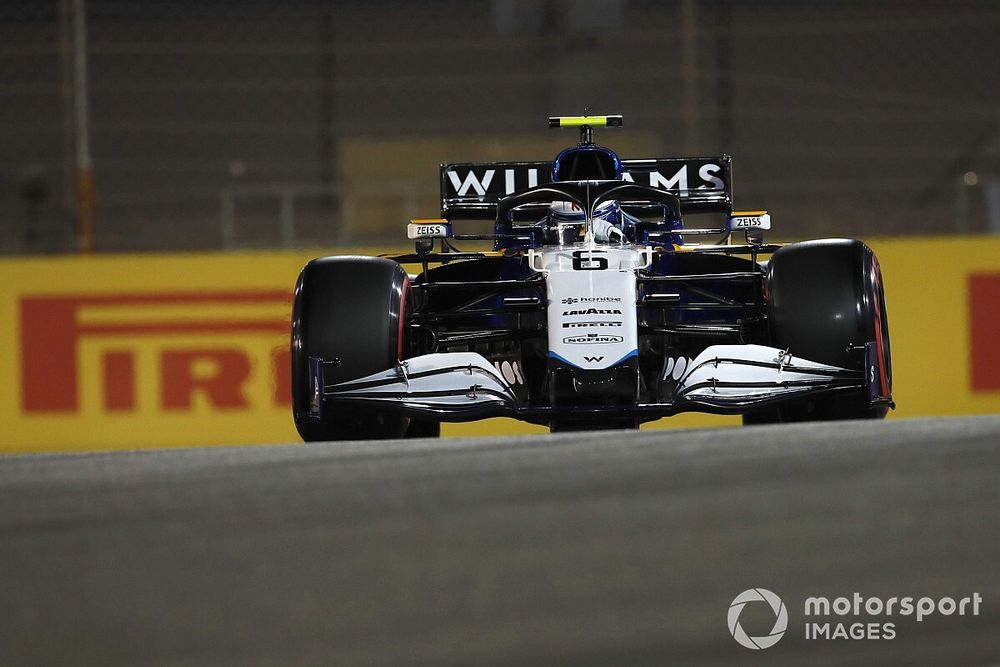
248, 123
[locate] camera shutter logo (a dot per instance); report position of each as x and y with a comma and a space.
780, 621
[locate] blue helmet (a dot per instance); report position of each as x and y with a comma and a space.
586, 162
566, 212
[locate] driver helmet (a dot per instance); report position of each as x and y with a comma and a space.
564, 212
569, 219
586, 162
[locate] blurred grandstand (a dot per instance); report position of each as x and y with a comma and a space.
233, 124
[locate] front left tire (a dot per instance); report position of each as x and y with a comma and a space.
825, 302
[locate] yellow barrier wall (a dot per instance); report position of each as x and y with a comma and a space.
151, 351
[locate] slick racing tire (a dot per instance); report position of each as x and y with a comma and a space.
349, 311
825, 300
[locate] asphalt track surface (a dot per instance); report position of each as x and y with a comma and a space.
588, 549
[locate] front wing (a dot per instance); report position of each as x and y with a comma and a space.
464, 386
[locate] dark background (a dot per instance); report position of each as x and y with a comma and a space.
220, 124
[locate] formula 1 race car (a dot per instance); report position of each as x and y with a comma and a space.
592, 311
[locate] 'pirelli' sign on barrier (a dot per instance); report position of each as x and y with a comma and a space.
144, 351
153, 351
200, 345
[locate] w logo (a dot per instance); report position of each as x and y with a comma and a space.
471, 182
593, 360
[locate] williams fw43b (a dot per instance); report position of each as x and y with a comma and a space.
595, 308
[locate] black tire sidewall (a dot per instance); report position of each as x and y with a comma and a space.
349, 310
825, 299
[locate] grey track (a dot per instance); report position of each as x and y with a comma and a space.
605, 548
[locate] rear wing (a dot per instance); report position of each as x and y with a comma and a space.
470, 191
